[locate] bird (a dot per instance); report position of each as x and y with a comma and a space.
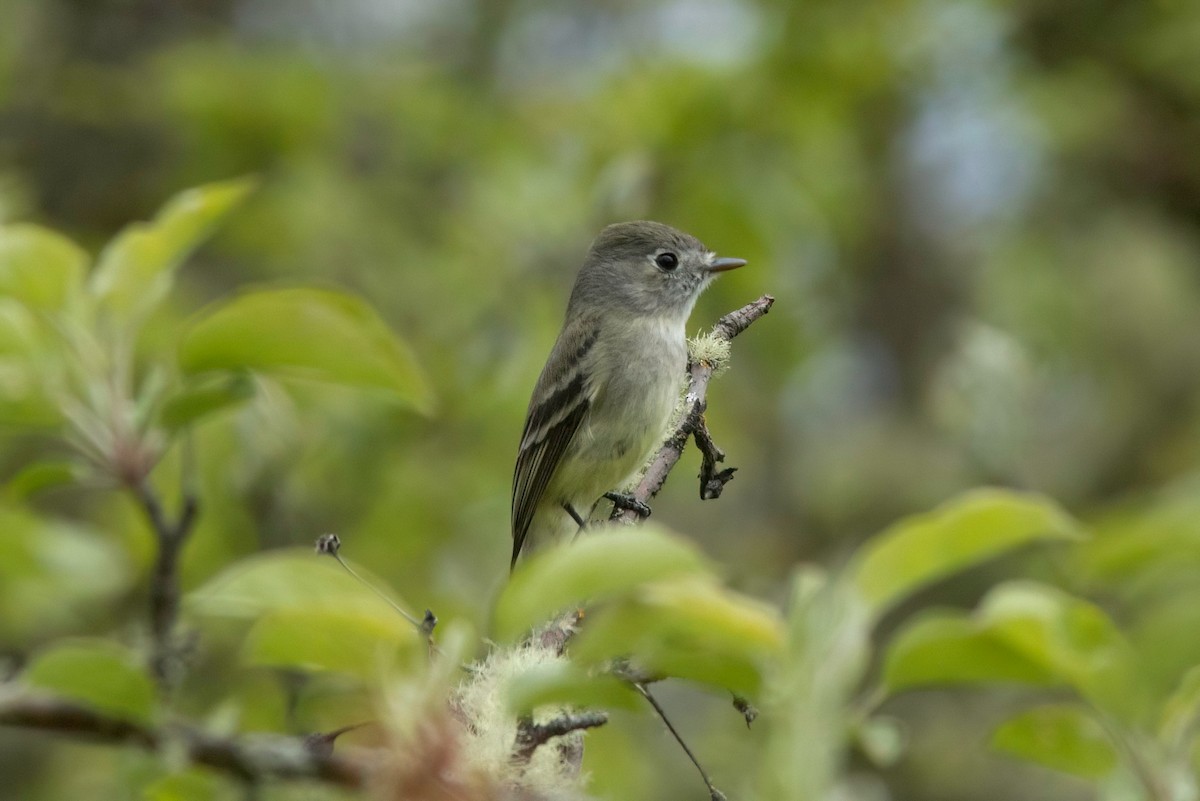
605, 395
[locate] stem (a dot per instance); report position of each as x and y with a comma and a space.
164, 578
713, 792
1141, 768
399, 609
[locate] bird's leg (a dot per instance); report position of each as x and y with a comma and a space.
578, 518
623, 502
575, 516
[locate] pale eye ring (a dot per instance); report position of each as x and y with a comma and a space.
667, 261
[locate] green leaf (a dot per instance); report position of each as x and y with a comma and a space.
605, 565
190, 785
1061, 736
562, 683
883, 740
1068, 636
1181, 710
50, 572
306, 333
308, 613
204, 397
691, 628
1022, 632
135, 271
970, 529
946, 648
680, 658
288, 580
38, 476
29, 362
39, 267
19, 335
96, 673
351, 642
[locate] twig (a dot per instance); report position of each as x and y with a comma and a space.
331, 545
321, 743
713, 792
531, 735
693, 423
734, 323
249, 758
170, 536
712, 481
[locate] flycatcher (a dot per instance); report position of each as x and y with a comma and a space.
604, 397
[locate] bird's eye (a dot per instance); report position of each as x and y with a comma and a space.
668, 261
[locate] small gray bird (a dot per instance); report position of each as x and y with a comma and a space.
604, 397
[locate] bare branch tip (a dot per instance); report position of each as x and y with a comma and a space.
530, 735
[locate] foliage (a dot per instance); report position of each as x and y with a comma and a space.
978, 219
658, 607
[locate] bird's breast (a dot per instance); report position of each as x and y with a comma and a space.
636, 396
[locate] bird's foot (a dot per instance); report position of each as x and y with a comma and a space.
628, 503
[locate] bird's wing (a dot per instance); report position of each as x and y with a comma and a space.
560, 404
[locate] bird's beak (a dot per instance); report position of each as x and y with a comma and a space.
722, 265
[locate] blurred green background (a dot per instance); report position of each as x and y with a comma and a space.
981, 222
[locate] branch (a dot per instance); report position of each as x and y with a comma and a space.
249, 758
693, 423
170, 537
712, 480
531, 735
558, 632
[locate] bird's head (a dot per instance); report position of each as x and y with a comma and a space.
647, 268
